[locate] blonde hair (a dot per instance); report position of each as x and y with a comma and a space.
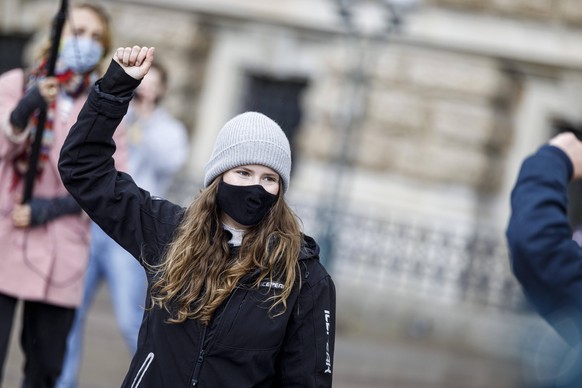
107, 38
197, 272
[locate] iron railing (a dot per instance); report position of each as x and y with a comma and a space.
449, 265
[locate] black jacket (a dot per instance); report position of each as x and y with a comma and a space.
242, 346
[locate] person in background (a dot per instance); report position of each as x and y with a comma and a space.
45, 242
237, 295
545, 256
158, 148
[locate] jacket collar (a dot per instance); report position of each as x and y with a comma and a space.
309, 248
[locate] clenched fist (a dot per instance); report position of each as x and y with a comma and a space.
135, 61
568, 143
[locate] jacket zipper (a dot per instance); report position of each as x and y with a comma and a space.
200, 360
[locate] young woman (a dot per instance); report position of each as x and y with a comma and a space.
238, 297
45, 242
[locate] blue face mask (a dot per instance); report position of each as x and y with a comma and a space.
79, 54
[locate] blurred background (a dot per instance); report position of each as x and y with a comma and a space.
408, 121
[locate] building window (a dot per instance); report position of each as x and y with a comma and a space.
278, 98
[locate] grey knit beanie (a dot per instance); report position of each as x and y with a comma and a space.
250, 138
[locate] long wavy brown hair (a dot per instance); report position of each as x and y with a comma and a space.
198, 272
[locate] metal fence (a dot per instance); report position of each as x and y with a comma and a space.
436, 263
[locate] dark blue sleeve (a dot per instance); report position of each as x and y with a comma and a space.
544, 258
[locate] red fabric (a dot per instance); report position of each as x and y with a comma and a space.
73, 86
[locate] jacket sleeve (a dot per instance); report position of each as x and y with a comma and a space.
306, 359
11, 91
545, 259
43, 210
140, 223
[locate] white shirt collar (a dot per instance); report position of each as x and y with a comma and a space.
237, 235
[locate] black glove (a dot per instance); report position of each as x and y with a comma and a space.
43, 210
30, 102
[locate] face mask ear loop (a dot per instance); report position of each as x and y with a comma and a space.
75, 42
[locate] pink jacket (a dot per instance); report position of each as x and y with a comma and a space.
45, 263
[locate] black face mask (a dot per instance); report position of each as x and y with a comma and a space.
247, 205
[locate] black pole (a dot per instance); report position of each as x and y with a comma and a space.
58, 23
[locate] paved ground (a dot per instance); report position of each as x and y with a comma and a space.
358, 364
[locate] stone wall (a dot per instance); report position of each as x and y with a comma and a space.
560, 11
181, 43
429, 115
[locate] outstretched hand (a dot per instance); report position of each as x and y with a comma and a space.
568, 143
135, 61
